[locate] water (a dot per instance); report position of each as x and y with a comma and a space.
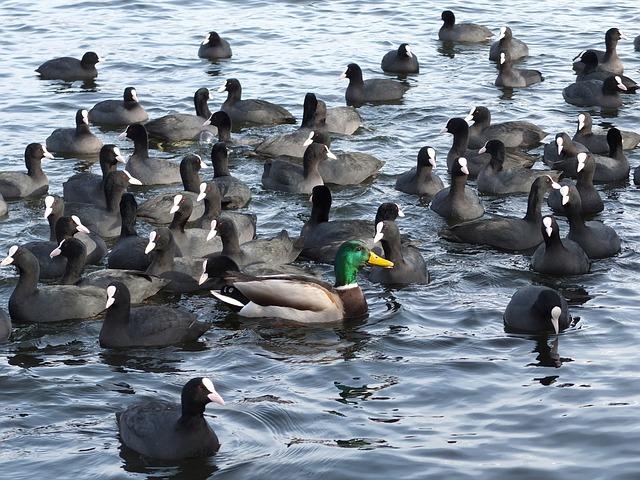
429, 386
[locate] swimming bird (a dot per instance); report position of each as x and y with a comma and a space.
245, 223
60, 228
514, 134
591, 202
149, 170
214, 47
129, 251
105, 221
322, 238
31, 184
457, 203
178, 127
192, 242
561, 153
156, 209
119, 112
75, 141
536, 309
608, 60
459, 128
508, 43
292, 144
421, 180
596, 239
506, 233
183, 272
558, 256
251, 111
377, 90
408, 264
595, 93
344, 168
139, 284
70, 69
50, 303
235, 193
494, 179
305, 300
592, 72
278, 250
402, 60
288, 177
88, 187
461, 32
171, 431
613, 167
597, 143
511, 77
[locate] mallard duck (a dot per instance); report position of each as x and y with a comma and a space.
305, 299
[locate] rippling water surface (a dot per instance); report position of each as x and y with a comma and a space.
429, 385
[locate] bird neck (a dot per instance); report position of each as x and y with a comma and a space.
83, 129
73, 270
534, 206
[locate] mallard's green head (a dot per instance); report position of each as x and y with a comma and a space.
351, 257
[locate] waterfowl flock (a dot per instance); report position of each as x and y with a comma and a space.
203, 235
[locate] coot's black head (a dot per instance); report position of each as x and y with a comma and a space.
135, 132
67, 227
455, 126
550, 228
82, 117
613, 84
220, 120
231, 85
226, 229
211, 39
89, 59
614, 139
70, 248
320, 137
427, 157
315, 153
117, 293
110, 155
159, 240
182, 207
549, 306
448, 17
590, 59
404, 50
130, 95
505, 32
460, 168
201, 95
197, 393
495, 148
36, 151
353, 72
388, 211
219, 151
613, 34
191, 163
478, 114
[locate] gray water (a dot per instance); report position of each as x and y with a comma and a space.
429, 385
